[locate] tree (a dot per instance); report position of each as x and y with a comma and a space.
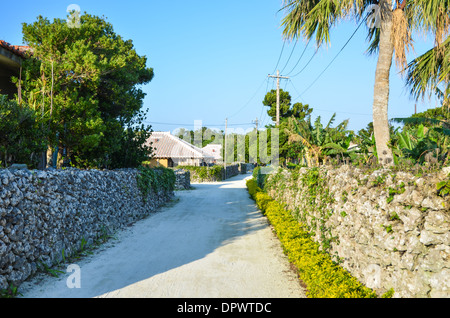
391, 38
21, 137
430, 73
286, 109
85, 83
319, 142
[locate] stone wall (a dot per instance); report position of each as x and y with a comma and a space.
183, 179
212, 174
389, 229
48, 215
232, 171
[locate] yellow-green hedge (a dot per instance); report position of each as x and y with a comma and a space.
323, 277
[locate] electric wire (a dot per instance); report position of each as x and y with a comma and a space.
279, 58
292, 52
254, 95
190, 125
329, 64
315, 53
301, 56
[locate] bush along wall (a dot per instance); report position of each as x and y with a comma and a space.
389, 229
323, 277
211, 174
47, 216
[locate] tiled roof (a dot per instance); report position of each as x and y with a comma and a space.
165, 145
19, 50
214, 150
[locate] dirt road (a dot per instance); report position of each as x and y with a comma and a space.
211, 243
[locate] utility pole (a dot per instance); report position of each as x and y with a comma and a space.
256, 123
225, 149
278, 77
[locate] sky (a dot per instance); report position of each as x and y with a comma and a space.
212, 59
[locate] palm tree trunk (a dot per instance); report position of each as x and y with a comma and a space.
381, 89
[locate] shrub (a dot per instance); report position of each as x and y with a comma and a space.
214, 173
22, 138
155, 179
323, 277
252, 187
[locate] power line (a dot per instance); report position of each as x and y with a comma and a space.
254, 95
329, 64
190, 125
301, 56
315, 53
279, 58
292, 52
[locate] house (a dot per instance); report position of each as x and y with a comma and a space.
11, 57
171, 151
215, 150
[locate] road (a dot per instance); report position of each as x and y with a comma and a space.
212, 242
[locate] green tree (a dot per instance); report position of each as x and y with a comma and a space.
297, 110
430, 73
319, 142
391, 37
85, 83
21, 139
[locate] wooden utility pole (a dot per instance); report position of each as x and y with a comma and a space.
225, 149
278, 77
256, 123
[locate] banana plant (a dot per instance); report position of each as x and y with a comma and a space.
319, 142
415, 142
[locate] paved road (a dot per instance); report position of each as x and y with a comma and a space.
211, 243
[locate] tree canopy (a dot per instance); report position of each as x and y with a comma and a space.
85, 84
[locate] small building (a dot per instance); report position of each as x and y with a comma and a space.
214, 150
11, 57
170, 151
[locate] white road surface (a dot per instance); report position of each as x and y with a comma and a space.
211, 243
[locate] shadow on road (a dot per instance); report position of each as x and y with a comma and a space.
210, 216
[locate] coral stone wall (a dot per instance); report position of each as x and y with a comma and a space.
389, 229
46, 215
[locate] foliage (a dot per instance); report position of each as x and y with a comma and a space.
428, 71
84, 83
204, 135
252, 187
214, 173
11, 292
155, 179
298, 110
132, 149
323, 277
316, 18
443, 187
421, 136
259, 177
22, 139
319, 142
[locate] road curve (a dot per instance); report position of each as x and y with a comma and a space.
212, 242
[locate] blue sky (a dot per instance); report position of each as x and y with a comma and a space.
211, 60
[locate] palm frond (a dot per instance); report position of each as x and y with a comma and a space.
427, 71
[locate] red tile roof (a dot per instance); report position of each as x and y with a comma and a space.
19, 50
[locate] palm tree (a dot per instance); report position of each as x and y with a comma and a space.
391, 38
429, 72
